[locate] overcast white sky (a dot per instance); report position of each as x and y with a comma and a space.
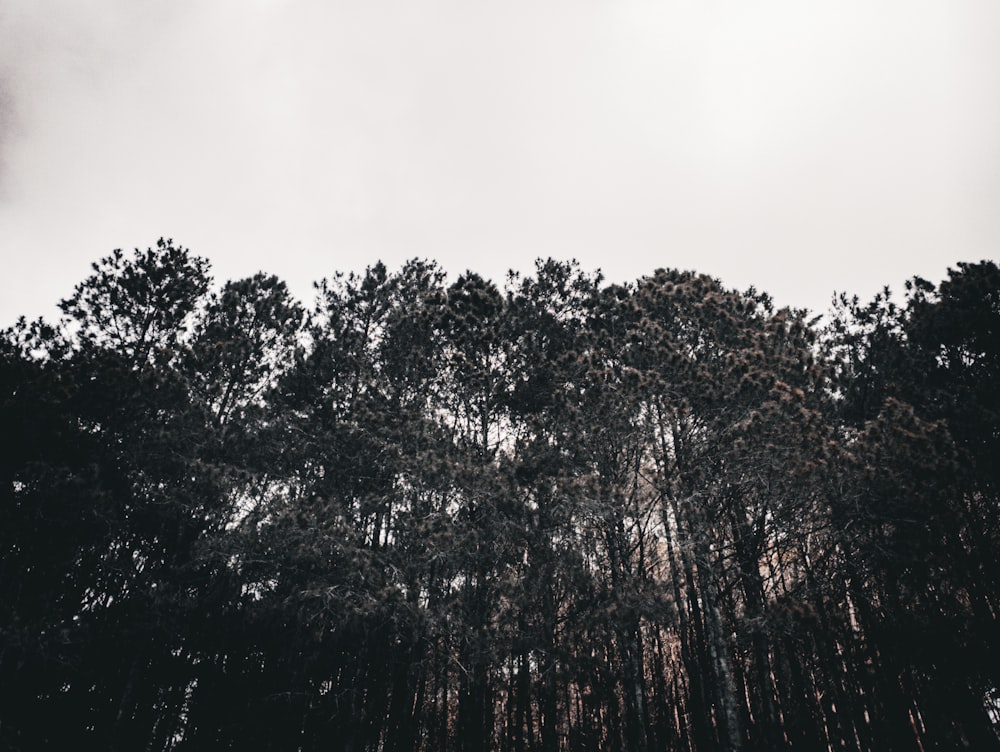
798, 145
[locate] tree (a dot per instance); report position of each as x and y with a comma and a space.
434, 515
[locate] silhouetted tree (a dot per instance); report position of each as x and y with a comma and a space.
561, 515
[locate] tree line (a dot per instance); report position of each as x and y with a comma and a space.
446, 516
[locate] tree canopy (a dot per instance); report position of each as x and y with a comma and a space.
446, 515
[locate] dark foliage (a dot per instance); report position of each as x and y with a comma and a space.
444, 516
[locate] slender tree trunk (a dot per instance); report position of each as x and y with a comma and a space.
694, 657
730, 727
765, 711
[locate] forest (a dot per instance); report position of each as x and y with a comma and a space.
442, 515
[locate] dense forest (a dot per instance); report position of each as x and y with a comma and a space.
448, 516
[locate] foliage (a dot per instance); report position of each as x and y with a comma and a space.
561, 515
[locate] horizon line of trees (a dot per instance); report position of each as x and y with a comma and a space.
442, 516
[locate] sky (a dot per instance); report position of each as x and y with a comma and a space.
800, 146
